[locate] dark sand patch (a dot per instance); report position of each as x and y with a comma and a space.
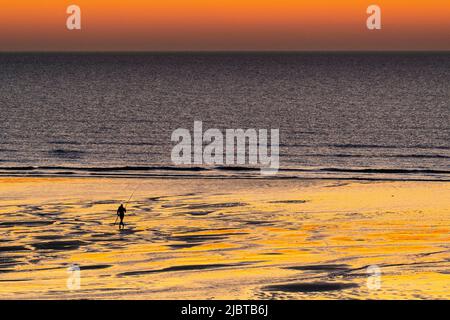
321, 267
197, 238
192, 230
104, 202
49, 213
215, 205
183, 245
95, 267
156, 199
59, 245
317, 237
13, 248
182, 268
9, 260
100, 240
339, 184
26, 223
6, 266
127, 231
257, 222
48, 237
188, 194
104, 234
6, 270
311, 287
204, 237
289, 201
198, 213
33, 208
15, 280
172, 205
425, 254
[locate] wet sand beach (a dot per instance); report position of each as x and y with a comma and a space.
218, 239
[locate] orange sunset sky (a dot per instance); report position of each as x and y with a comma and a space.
191, 25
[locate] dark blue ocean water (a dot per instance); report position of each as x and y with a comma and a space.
346, 115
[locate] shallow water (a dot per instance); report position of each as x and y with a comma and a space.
215, 239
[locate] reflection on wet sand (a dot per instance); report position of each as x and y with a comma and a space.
215, 239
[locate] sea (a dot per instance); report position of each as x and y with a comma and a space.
344, 115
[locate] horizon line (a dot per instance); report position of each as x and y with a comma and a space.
223, 51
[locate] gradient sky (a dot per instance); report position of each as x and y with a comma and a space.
185, 25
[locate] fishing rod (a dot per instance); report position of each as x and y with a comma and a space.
131, 196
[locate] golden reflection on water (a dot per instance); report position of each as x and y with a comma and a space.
224, 239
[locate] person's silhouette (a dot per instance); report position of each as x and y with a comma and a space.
121, 213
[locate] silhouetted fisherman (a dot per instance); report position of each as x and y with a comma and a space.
121, 213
